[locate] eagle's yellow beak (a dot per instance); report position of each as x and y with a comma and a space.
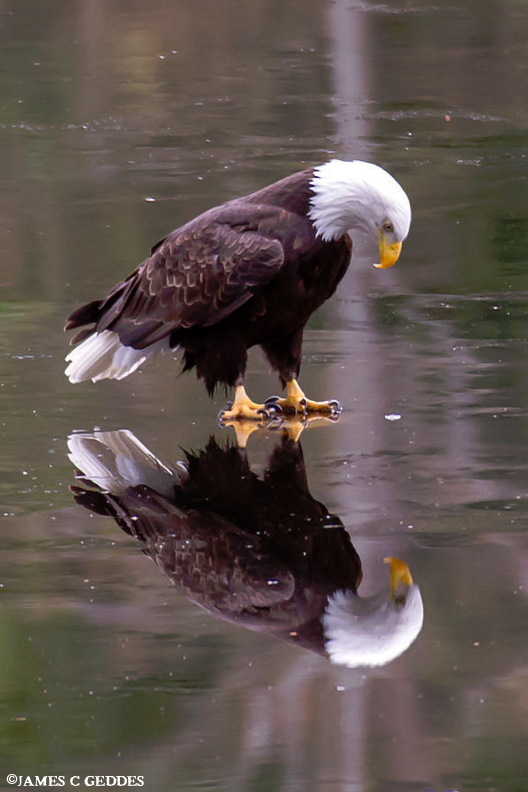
399, 574
388, 253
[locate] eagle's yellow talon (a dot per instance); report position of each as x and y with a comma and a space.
296, 403
243, 409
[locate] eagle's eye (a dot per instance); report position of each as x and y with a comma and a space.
388, 227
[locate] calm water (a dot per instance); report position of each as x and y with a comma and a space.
118, 122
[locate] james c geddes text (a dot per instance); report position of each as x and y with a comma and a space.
76, 780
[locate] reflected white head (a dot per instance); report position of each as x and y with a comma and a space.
374, 630
360, 195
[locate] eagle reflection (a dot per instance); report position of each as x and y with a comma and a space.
260, 552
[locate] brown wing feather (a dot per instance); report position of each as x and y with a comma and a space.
197, 275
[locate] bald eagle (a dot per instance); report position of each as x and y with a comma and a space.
258, 551
249, 272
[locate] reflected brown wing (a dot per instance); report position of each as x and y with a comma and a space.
197, 275
217, 564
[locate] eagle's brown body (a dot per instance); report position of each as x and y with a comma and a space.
249, 272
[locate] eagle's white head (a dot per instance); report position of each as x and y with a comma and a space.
360, 195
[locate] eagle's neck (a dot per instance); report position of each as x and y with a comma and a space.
341, 199
292, 193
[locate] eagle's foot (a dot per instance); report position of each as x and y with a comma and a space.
244, 409
245, 412
296, 403
330, 409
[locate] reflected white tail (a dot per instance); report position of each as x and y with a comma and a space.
103, 356
117, 460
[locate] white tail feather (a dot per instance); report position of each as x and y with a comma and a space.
103, 356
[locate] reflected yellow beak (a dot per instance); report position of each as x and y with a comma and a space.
399, 574
389, 254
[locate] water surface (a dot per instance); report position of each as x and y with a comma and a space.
118, 123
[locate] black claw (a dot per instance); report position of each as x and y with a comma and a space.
276, 409
272, 400
221, 414
265, 414
303, 403
335, 406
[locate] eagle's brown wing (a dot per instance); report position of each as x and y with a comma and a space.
197, 275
